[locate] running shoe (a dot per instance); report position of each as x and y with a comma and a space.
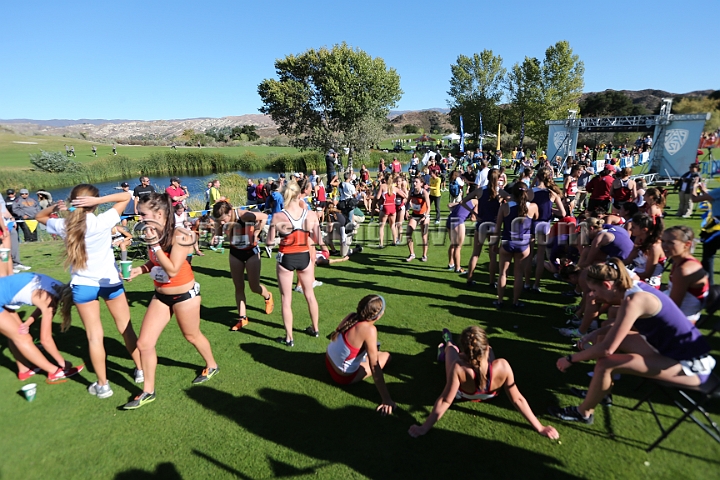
441, 353
22, 376
284, 341
100, 391
313, 333
493, 285
535, 290
22, 267
571, 309
242, 321
572, 332
61, 374
451, 266
139, 376
410, 258
206, 375
571, 414
446, 336
461, 271
518, 304
143, 399
606, 401
498, 303
269, 304
423, 258
575, 321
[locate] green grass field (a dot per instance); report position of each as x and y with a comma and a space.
273, 411
17, 155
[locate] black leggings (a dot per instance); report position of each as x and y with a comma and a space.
436, 201
708, 257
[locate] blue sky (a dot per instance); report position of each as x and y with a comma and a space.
163, 60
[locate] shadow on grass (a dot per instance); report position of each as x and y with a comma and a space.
381, 447
164, 471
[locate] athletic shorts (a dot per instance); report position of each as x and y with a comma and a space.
389, 209
86, 294
320, 205
171, 300
244, 254
339, 379
511, 247
294, 261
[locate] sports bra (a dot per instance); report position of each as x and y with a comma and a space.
295, 241
479, 394
345, 357
698, 292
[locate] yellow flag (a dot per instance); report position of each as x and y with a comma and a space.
32, 224
192, 214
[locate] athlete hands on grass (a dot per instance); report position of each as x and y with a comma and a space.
353, 353
176, 291
44, 293
473, 373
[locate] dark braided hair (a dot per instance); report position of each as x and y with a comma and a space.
474, 344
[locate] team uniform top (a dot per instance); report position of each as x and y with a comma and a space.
18, 289
655, 278
242, 234
621, 246
488, 208
479, 394
344, 356
389, 203
572, 188
622, 194
418, 205
295, 241
694, 299
669, 330
515, 241
162, 279
101, 271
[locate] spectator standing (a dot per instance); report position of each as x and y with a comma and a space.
25, 209
330, 165
348, 197
215, 192
688, 188
177, 193
129, 209
600, 189
94, 150
252, 193
141, 190
207, 195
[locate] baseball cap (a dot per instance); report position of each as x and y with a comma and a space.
331, 151
24, 191
10, 191
124, 184
175, 179
270, 179
282, 175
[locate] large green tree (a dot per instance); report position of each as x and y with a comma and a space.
331, 97
546, 90
476, 87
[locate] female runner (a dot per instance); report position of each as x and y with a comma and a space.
295, 228
353, 353
654, 336
648, 256
243, 228
473, 373
89, 254
419, 202
176, 291
689, 284
488, 198
44, 293
388, 210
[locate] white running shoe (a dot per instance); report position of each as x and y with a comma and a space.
20, 266
101, 391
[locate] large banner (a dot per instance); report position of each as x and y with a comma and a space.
462, 135
561, 140
679, 146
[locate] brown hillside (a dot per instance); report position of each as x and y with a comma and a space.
426, 119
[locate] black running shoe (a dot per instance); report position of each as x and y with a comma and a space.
571, 414
606, 401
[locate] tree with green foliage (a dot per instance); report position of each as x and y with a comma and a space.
545, 90
700, 105
410, 128
331, 97
476, 86
54, 162
610, 103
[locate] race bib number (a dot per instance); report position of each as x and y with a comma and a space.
416, 207
241, 241
159, 275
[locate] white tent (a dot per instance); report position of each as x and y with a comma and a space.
452, 137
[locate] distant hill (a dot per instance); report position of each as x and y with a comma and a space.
117, 129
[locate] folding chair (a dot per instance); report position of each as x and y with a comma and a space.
707, 391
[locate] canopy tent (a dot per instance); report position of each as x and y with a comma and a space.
424, 139
452, 137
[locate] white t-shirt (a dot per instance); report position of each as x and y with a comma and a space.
101, 270
482, 177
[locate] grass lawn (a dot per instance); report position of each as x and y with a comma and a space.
17, 155
273, 411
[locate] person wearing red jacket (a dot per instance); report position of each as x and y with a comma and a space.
600, 190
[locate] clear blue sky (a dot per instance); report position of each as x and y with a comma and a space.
181, 59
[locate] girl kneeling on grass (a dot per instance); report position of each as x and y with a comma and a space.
44, 293
353, 351
473, 373
176, 291
650, 337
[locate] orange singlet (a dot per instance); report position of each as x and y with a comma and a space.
297, 240
242, 234
161, 278
418, 205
